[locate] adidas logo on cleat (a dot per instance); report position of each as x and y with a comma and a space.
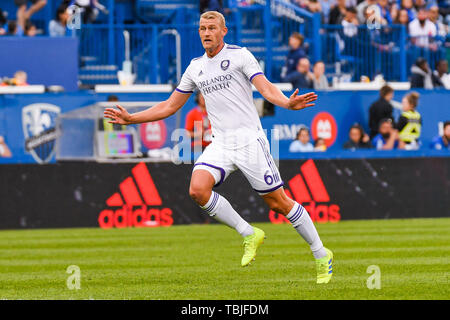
134, 205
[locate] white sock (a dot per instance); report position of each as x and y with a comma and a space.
219, 208
302, 222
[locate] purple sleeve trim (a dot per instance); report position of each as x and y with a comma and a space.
251, 78
222, 171
179, 90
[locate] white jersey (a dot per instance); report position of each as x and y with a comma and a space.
225, 82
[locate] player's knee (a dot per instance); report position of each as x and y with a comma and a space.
198, 193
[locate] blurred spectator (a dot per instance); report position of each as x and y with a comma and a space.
301, 143
4, 150
88, 9
112, 98
58, 26
358, 139
19, 79
319, 79
361, 8
409, 124
296, 52
23, 14
211, 5
30, 29
384, 11
314, 6
402, 18
421, 29
320, 145
441, 77
421, 75
442, 142
338, 12
301, 78
380, 109
408, 6
372, 16
326, 6
14, 29
420, 4
441, 28
350, 22
3, 21
301, 3
388, 138
197, 123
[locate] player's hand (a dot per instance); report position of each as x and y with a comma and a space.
303, 101
119, 115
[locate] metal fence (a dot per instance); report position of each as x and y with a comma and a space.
361, 51
264, 27
153, 49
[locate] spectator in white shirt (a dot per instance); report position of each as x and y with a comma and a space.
421, 29
433, 15
350, 23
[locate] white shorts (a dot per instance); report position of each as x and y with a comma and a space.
254, 161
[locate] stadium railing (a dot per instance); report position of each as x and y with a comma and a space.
363, 51
152, 50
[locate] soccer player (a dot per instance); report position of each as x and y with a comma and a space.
224, 75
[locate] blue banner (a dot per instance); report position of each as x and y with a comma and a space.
27, 122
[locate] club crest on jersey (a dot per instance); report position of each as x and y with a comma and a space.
225, 64
38, 122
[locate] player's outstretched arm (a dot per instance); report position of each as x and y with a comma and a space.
159, 111
271, 93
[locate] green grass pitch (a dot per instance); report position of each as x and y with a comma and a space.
203, 262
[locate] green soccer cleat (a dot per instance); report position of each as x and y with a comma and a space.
251, 244
324, 267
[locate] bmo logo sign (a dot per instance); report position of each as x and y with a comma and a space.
324, 126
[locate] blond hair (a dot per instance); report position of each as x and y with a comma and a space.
413, 99
214, 15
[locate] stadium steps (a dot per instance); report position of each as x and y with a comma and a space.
98, 74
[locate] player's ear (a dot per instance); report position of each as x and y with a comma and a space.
224, 31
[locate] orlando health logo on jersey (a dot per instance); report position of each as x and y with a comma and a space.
38, 122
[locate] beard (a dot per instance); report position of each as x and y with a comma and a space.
385, 135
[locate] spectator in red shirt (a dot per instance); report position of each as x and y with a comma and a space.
197, 123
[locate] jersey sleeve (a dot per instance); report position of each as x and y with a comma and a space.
250, 66
186, 85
